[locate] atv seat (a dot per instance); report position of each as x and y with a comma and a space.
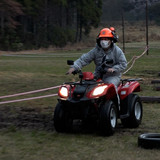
88, 76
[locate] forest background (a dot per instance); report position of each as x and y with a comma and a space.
28, 24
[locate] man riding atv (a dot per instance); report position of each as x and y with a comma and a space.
105, 49
99, 100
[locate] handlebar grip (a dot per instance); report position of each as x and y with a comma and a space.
74, 72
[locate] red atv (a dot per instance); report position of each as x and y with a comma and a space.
91, 102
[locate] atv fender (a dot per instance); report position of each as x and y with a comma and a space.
109, 92
128, 88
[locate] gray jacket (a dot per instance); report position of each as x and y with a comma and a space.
96, 54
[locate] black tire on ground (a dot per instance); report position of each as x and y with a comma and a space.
62, 120
134, 105
108, 118
149, 140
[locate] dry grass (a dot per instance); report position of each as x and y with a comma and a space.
134, 33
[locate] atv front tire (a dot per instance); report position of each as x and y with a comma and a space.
62, 120
108, 118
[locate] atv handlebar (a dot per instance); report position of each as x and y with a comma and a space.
100, 69
75, 72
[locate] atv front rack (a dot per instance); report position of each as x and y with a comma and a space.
83, 82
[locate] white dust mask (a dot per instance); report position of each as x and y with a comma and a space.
105, 43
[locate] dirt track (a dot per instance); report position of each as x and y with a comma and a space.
20, 117
31, 118
34, 118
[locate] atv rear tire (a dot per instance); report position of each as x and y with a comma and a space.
135, 111
108, 118
62, 120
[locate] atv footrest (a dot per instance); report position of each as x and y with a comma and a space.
124, 116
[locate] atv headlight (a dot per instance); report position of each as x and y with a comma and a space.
63, 92
99, 90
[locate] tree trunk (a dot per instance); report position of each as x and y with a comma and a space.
2, 23
77, 28
34, 32
46, 21
80, 30
61, 15
67, 16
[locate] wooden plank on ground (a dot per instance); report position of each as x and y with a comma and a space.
158, 88
155, 81
150, 99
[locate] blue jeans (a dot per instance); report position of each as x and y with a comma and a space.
112, 79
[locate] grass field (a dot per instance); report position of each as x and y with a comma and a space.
26, 128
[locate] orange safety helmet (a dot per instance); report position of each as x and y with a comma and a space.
106, 32
109, 33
